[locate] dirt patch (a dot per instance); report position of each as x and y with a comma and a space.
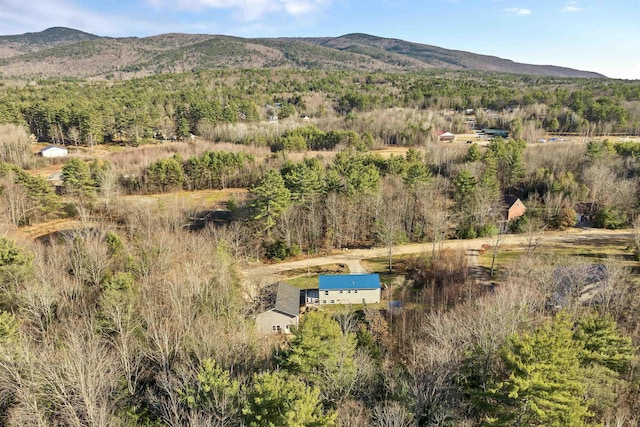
387, 151
33, 232
47, 171
197, 200
201, 199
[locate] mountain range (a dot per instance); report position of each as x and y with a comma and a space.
65, 52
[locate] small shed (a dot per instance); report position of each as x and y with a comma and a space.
447, 137
283, 311
514, 207
586, 212
492, 133
53, 151
349, 289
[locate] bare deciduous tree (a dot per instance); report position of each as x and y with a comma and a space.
496, 241
533, 234
122, 328
89, 258
391, 414
15, 145
353, 413
436, 209
15, 204
390, 214
74, 135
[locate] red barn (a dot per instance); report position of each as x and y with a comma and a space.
515, 208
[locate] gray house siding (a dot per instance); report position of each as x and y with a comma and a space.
274, 322
283, 312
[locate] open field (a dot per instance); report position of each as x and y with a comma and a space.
199, 199
33, 232
595, 250
204, 200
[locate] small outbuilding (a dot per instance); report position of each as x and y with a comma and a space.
514, 207
492, 133
349, 289
447, 137
586, 212
53, 151
283, 311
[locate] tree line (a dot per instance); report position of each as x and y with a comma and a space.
178, 105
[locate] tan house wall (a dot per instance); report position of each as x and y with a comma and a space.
350, 296
516, 210
268, 322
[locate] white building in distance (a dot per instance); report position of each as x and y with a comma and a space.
53, 151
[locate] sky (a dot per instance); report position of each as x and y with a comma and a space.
593, 35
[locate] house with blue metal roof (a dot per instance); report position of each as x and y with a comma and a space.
349, 289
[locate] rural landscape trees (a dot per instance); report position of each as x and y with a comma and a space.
178, 186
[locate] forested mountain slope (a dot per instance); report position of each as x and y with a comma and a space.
33, 42
71, 53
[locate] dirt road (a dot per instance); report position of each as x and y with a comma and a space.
352, 257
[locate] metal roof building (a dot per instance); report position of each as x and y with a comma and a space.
349, 289
349, 281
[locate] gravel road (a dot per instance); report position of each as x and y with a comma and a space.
352, 257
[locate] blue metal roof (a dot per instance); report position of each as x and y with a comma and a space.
349, 281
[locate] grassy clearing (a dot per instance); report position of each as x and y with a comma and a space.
307, 278
399, 262
594, 252
200, 199
304, 282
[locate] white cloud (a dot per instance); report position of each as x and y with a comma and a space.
19, 16
249, 10
572, 6
518, 11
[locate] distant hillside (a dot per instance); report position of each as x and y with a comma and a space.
447, 58
71, 53
34, 42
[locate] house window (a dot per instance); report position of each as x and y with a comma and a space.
286, 327
274, 327
349, 291
326, 292
340, 290
333, 301
324, 301
355, 291
278, 327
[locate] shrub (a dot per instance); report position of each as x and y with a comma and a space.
489, 230
466, 232
564, 219
610, 218
294, 143
519, 225
279, 250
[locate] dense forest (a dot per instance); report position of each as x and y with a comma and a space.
144, 313
175, 106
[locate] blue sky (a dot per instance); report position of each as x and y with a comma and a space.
594, 35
